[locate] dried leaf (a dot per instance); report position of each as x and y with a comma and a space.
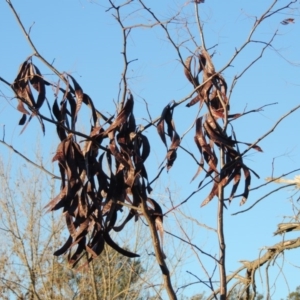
136, 202
166, 116
213, 192
255, 147
171, 155
236, 175
74, 259
38, 83
22, 120
82, 229
21, 108
247, 184
78, 94
219, 138
64, 248
157, 215
70, 225
205, 149
88, 101
57, 202
112, 244
122, 116
97, 243
209, 67
195, 100
187, 69
146, 147
116, 153
161, 131
287, 21
60, 115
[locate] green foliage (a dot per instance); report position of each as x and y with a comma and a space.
240, 294
110, 276
294, 295
198, 297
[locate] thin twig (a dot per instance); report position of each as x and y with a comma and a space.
261, 198
200, 26
30, 161
221, 236
36, 53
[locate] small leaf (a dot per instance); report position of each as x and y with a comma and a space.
213, 192
88, 101
122, 116
247, 184
64, 248
187, 69
287, 21
255, 147
171, 155
21, 108
78, 94
195, 100
38, 83
166, 116
22, 120
236, 175
74, 259
70, 225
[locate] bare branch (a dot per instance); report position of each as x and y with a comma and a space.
30, 161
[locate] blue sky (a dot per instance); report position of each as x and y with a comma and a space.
84, 40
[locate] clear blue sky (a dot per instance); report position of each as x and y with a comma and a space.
85, 41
